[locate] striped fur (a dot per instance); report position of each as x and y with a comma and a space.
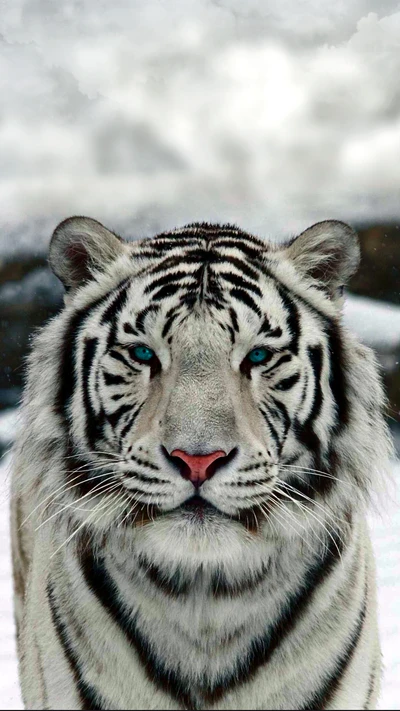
128, 596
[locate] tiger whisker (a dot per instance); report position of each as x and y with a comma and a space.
284, 509
301, 506
282, 513
60, 489
101, 487
319, 473
92, 454
105, 493
74, 533
135, 500
120, 501
324, 509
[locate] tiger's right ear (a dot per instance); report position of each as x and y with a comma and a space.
79, 247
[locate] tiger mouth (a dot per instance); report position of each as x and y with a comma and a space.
197, 511
199, 508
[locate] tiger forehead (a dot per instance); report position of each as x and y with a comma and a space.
203, 264
201, 245
207, 234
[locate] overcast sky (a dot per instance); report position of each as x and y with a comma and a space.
147, 114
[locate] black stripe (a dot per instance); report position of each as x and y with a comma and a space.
210, 285
305, 432
268, 330
175, 585
145, 463
104, 588
117, 303
188, 299
164, 244
167, 279
119, 356
92, 422
250, 468
265, 326
130, 422
221, 587
168, 323
234, 320
128, 328
140, 318
315, 357
283, 359
166, 291
337, 377
253, 253
325, 695
238, 236
288, 383
246, 299
251, 483
293, 319
267, 417
241, 266
217, 304
238, 281
111, 379
195, 256
230, 331
114, 418
284, 415
112, 312
89, 696
145, 478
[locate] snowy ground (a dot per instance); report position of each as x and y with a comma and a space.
386, 536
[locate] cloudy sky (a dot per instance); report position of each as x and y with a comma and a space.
148, 114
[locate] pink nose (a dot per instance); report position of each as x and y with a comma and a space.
199, 465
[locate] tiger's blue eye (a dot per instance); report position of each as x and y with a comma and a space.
142, 353
258, 355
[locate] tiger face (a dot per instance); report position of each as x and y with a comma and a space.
202, 377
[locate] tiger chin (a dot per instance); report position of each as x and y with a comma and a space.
200, 439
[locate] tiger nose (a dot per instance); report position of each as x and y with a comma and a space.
199, 467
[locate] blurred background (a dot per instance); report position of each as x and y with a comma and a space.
149, 114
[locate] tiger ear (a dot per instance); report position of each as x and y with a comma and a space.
328, 252
79, 247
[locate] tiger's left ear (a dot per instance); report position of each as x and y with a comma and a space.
79, 247
328, 252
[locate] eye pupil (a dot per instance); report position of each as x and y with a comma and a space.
143, 353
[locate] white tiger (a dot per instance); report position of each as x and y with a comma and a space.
200, 437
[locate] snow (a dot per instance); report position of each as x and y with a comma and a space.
385, 535
149, 114
8, 426
376, 323
10, 697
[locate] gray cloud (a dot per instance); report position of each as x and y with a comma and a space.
148, 114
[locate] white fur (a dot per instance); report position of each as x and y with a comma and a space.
201, 399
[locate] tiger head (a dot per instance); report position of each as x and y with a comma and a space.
204, 380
